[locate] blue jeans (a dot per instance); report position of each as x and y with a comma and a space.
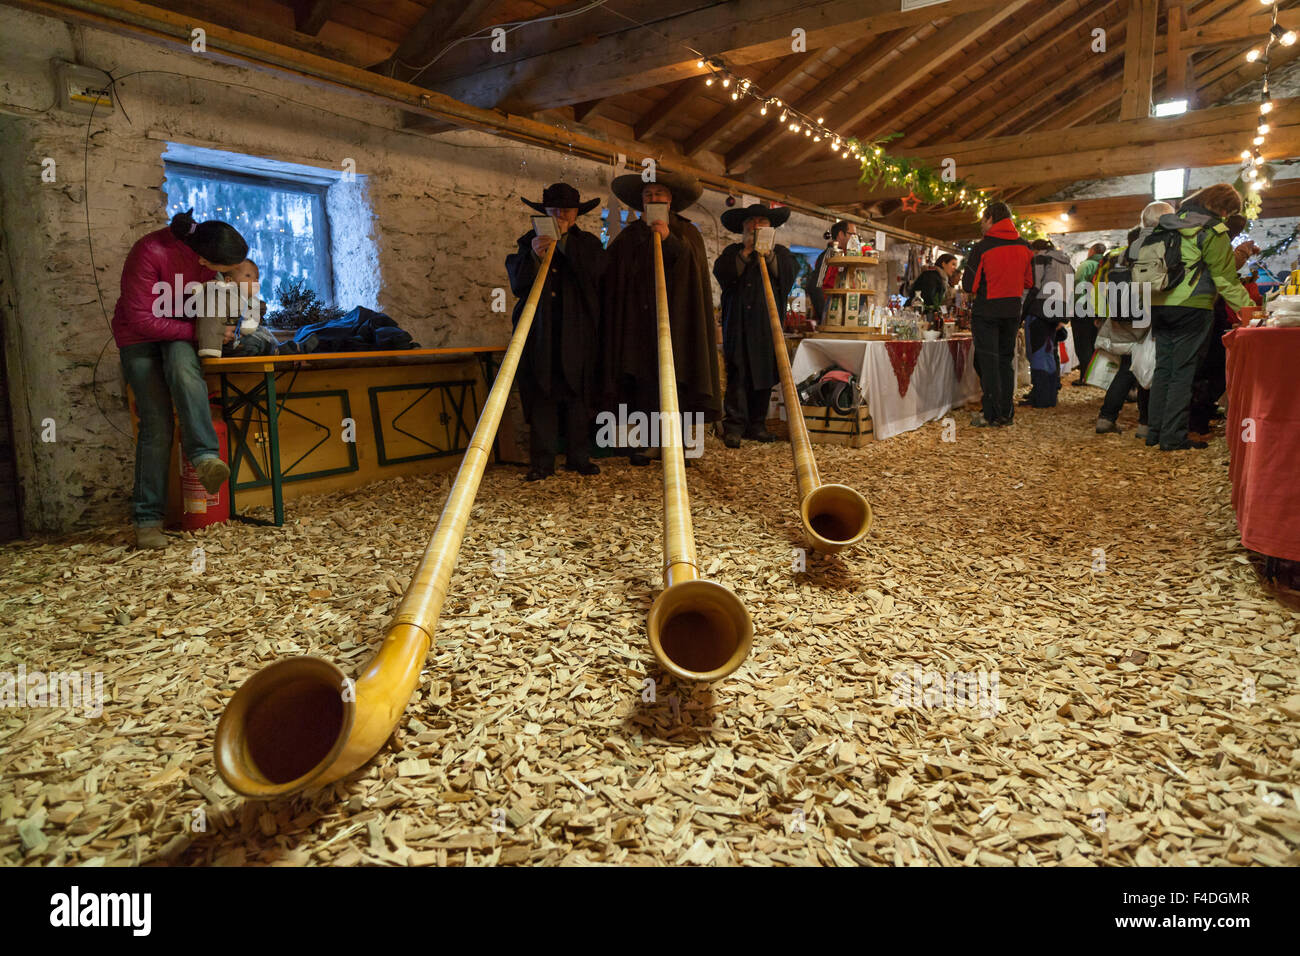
160, 374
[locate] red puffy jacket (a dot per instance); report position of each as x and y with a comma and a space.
998, 271
157, 257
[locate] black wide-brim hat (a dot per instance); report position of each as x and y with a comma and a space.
562, 196
734, 219
685, 189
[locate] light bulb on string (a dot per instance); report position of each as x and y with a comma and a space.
1288, 38
726, 82
1266, 107
709, 81
783, 115
1252, 56
699, 64
1258, 141
762, 110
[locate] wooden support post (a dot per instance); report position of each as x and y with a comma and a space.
1139, 59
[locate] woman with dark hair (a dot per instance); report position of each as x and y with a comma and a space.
159, 360
930, 290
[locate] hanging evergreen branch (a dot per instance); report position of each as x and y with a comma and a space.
927, 185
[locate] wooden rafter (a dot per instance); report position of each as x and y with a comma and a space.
440, 25
666, 108
867, 58
310, 16
1018, 71
1139, 59
932, 54
771, 83
741, 32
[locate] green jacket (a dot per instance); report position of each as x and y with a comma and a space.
1083, 277
1211, 269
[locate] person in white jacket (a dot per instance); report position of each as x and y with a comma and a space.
1121, 338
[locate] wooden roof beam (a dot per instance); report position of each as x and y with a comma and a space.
871, 55
311, 15
929, 54
771, 83
666, 108
1139, 59
1014, 70
742, 31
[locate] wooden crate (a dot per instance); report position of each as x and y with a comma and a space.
827, 427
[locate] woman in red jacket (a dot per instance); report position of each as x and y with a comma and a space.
159, 360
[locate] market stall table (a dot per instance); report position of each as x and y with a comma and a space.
1264, 438
342, 419
905, 384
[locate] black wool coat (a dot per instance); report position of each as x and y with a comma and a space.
631, 344
574, 286
746, 329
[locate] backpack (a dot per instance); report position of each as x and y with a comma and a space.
1115, 275
833, 387
1157, 254
1051, 270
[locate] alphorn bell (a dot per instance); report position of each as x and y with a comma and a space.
300, 722
699, 630
834, 516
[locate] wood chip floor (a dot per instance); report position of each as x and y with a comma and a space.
1050, 650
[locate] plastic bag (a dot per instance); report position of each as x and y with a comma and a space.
1143, 359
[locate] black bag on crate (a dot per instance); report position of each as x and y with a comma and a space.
833, 387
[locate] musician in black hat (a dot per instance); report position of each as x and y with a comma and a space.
557, 370
747, 345
631, 344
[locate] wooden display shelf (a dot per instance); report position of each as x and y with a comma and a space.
851, 332
853, 260
847, 291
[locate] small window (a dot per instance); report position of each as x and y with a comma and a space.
283, 220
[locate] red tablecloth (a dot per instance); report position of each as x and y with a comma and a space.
1264, 404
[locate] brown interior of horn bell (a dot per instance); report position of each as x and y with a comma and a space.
700, 640
837, 513
832, 526
293, 728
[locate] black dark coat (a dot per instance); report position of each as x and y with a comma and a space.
746, 329
573, 283
631, 345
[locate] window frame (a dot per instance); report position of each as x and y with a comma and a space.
321, 237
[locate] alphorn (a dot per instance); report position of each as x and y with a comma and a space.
699, 630
300, 722
834, 516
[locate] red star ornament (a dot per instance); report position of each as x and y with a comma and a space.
911, 201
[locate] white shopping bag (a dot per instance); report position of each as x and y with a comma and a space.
1102, 369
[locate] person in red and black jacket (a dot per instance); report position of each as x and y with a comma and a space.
998, 271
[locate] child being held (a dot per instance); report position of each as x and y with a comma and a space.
233, 299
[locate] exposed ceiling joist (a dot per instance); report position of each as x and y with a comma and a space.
310, 16
771, 83
1016, 70
861, 63
928, 55
742, 32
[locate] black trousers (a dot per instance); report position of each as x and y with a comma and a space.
995, 356
563, 410
1181, 338
1117, 394
1085, 342
744, 409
